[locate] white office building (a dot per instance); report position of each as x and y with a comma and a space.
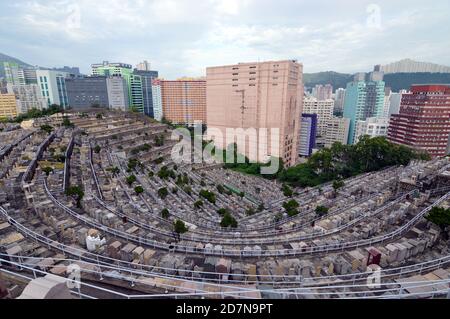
157, 100
337, 130
117, 93
372, 127
53, 87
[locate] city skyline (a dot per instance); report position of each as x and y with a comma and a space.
182, 40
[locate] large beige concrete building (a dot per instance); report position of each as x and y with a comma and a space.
184, 101
266, 95
337, 131
8, 106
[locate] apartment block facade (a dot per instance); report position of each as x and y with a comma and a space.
424, 120
308, 131
337, 131
363, 99
8, 106
323, 109
184, 101
28, 96
265, 95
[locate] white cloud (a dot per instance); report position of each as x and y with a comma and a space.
182, 37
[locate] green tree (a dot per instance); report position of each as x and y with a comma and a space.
180, 227
321, 211
209, 196
77, 193
287, 191
165, 213
228, 221
66, 122
47, 170
223, 211
337, 184
138, 190
163, 192
97, 149
291, 207
47, 128
131, 179
439, 216
198, 204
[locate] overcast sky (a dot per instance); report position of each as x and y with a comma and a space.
182, 37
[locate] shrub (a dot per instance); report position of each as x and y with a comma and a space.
163, 192
165, 213
138, 190
180, 227
228, 221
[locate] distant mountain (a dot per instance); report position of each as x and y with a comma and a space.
411, 66
337, 80
403, 81
7, 58
396, 81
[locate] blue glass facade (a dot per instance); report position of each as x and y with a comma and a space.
308, 132
147, 78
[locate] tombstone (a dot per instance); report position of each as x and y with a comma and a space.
113, 249
126, 252
223, 265
138, 254
402, 251
392, 253
148, 254
81, 236
374, 257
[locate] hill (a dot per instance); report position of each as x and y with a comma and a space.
7, 58
396, 81
338, 80
400, 81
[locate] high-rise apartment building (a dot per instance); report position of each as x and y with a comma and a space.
260, 96
147, 77
18, 75
323, 92
308, 131
363, 99
53, 87
339, 98
133, 81
337, 131
144, 66
424, 120
28, 96
117, 93
157, 100
87, 92
184, 101
8, 106
372, 126
323, 109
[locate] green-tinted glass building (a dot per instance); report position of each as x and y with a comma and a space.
363, 99
133, 81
